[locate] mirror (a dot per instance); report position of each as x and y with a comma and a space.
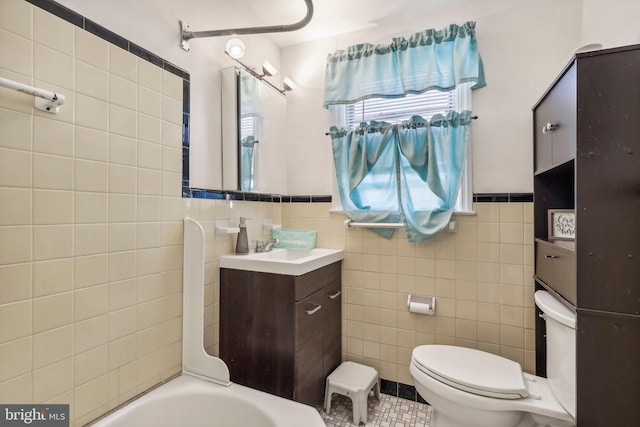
253, 126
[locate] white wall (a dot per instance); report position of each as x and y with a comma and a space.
523, 49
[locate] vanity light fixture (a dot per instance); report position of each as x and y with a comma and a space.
268, 70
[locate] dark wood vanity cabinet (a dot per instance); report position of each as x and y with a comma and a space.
587, 159
281, 334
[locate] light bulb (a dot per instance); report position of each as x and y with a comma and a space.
235, 48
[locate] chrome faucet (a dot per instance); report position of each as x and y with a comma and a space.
265, 246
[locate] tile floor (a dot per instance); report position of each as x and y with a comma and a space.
389, 412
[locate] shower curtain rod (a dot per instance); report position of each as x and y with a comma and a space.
188, 34
472, 118
50, 101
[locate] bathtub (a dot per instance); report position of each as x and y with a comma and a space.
187, 401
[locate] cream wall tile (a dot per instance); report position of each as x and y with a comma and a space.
91, 144
52, 207
511, 212
90, 239
15, 244
488, 313
149, 182
17, 390
92, 81
149, 129
172, 184
489, 233
122, 121
512, 316
149, 102
123, 92
122, 237
16, 358
15, 16
90, 271
511, 233
15, 321
150, 155
149, 261
90, 365
52, 137
15, 168
53, 67
15, 206
15, 283
123, 179
52, 172
150, 75
65, 113
91, 49
90, 302
52, 380
90, 207
512, 336
172, 85
122, 208
53, 32
122, 294
149, 208
122, 323
489, 333
122, 266
171, 110
52, 311
122, 351
52, 242
52, 277
15, 129
149, 235
123, 63
92, 112
90, 333
123, 150
489, 252
171, 134
15, 53
52, 346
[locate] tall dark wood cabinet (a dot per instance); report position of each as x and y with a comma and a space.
587, 159
281, 334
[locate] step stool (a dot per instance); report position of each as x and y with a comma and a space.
354, 381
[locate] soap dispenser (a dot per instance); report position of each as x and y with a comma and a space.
242, 244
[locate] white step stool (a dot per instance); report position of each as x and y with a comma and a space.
354, 381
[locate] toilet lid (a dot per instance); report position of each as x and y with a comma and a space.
472, 370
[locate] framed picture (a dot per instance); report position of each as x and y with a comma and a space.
562, 224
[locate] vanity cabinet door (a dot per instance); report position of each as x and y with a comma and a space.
332, 327
309, 349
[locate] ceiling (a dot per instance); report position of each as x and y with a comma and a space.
331, 17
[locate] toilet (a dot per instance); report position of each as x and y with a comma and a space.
473, 388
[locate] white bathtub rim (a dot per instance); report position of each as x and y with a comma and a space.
282, 412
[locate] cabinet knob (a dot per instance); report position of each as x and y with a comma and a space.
318, 307
549, 127
334, 296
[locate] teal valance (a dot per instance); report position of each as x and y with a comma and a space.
425, 61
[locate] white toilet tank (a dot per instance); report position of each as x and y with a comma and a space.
561, 349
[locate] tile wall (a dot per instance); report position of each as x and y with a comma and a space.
481, 276
90, 218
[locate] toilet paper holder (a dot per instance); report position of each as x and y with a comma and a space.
421, 304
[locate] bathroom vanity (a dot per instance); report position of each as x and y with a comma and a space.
281, 333
587, 162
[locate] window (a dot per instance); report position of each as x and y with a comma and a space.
396, 110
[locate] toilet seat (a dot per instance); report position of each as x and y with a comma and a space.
473, 371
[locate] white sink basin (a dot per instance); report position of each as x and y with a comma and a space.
283, 261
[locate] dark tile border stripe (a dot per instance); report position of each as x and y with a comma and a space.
78, 20
502, 197
403, 391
